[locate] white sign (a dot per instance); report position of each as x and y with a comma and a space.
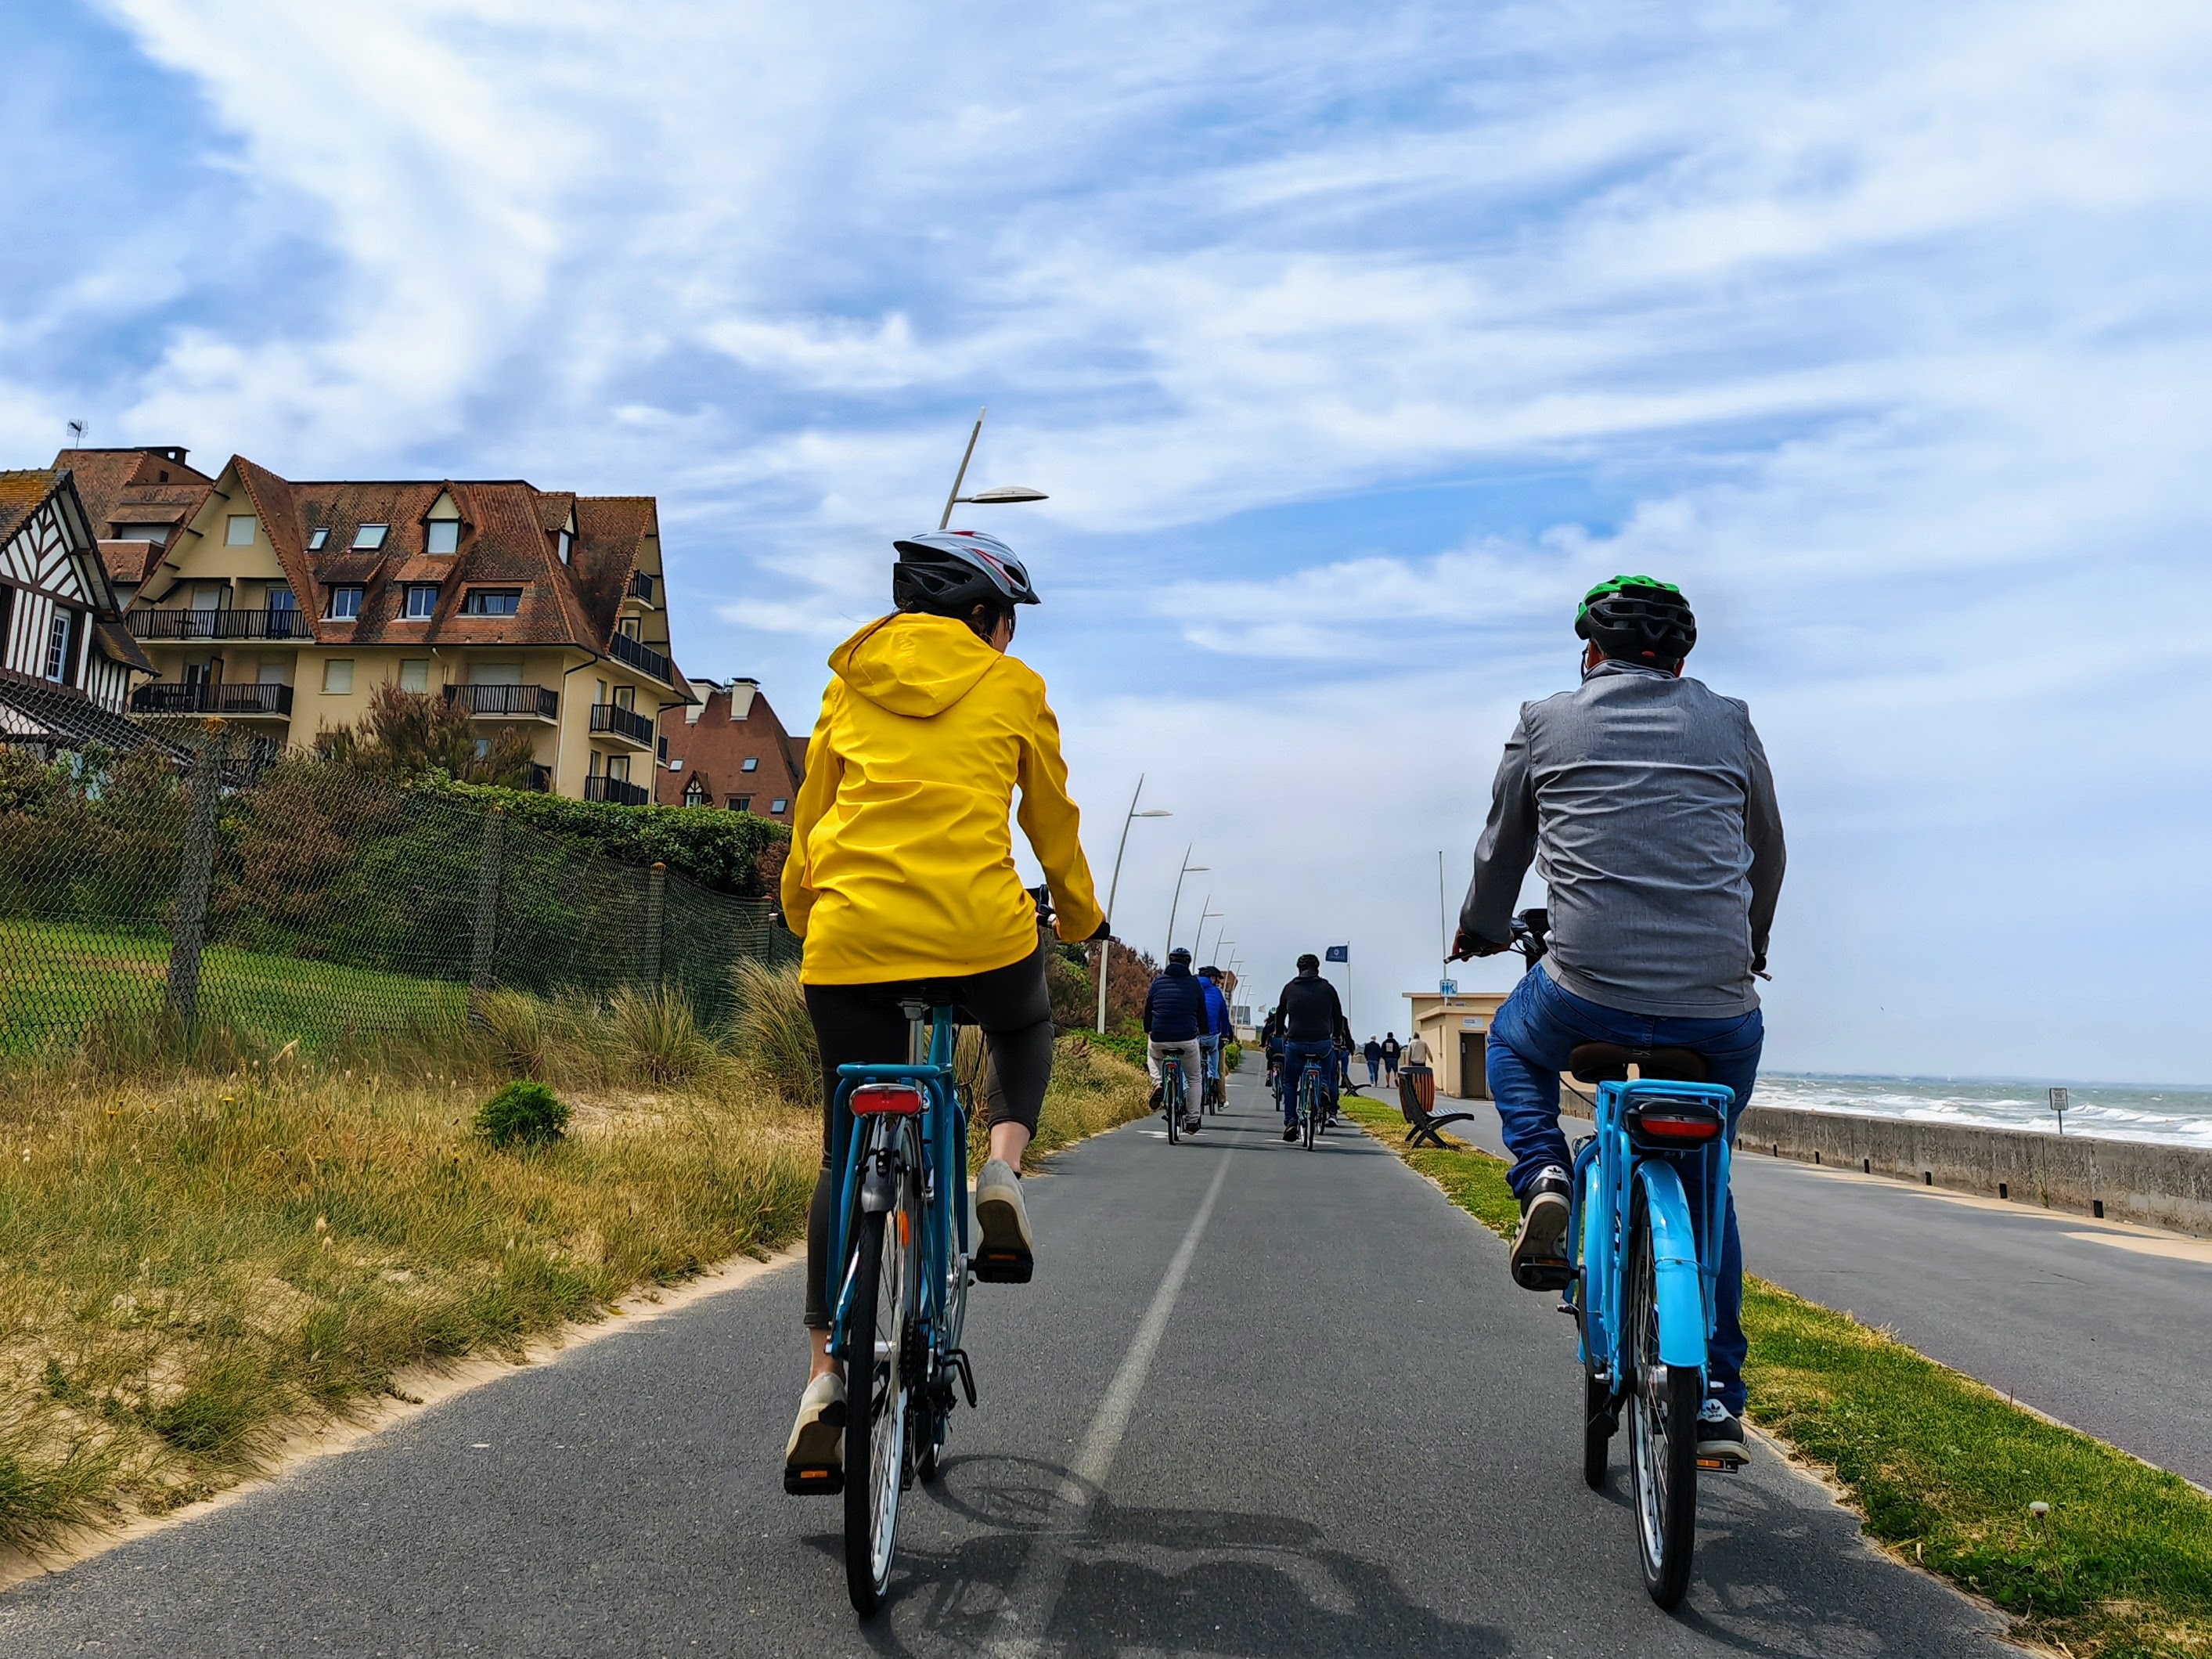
1470, 1025
1448, 986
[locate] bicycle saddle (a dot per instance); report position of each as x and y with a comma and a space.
1608, 1062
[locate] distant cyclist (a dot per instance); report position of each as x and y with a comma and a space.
901, 878
1176, 1022
1645, 801
1312, 1022
1217, 1009
1271, 1044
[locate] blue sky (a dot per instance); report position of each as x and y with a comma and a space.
1351, 341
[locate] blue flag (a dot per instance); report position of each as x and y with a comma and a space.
1339, 953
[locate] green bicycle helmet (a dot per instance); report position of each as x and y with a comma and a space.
1638, 619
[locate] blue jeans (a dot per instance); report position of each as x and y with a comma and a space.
1210, 1046
1530, 1039
1296, 1056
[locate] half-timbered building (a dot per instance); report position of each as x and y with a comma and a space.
67, 665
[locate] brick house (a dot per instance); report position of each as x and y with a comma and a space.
730, 750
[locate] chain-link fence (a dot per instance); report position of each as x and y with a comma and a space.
214, 881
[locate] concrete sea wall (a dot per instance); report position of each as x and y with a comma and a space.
2122, 1180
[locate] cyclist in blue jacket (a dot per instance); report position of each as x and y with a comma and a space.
1217, 1010
1645, 802
1176, 1018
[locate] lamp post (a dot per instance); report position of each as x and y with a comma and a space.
982, 497
1198, 944
1106, 945
1188, 868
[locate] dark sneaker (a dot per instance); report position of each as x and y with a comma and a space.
1539, 1248
1006, 1253
1156, 1097
1721, 1441
1191, 1126
814, 1457
1290, 1132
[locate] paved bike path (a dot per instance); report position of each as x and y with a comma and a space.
2102, 1327
1323, 1422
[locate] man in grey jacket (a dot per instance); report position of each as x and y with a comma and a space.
1645, 802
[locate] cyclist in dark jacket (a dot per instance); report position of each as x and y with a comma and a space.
1313, 1020
1175, 1018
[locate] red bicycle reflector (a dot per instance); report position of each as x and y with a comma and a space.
1667, 1126
874, 1099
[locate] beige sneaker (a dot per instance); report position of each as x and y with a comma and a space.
1005, 1252
814, 1457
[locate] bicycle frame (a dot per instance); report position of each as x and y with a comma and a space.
1608, 1168
943, 1135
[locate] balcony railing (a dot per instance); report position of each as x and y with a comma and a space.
643, 657
625, 723
211, 698
599, 786
641, 585
539, 780
191, 622
507, 703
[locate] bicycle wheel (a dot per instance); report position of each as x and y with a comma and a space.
877, 1385
1310, 1107
1172, 1097
1663, 1432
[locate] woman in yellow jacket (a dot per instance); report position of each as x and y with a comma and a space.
901, 871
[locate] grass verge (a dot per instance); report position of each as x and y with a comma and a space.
1942, 1468
193, 1266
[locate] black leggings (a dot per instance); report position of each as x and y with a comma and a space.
864, 1025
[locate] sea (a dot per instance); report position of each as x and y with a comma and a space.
2177, 1115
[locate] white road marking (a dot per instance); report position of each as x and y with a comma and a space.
1027, 1614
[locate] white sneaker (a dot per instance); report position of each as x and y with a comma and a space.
814, 1457
1005, 1252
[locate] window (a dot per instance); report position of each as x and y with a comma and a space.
695, 794
239, 532
61, 634
741, 802
414, 673
337, 675
567, 544
345, 604
626, 696
422, 601
271, 672
369, 537
279, 598
318, 539
629, 627
143, 532
751, 763
618, 767
492, 602
442, 536
778, 805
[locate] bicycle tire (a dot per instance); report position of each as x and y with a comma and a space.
1171, 1098
1600, 1414
1310, 1108
1663, 1451
876, 1395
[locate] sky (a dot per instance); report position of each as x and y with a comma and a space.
1351, 343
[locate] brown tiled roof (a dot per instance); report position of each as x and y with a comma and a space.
129, 561
135, 486
507, 540
23, 493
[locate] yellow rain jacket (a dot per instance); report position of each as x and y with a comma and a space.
901, 862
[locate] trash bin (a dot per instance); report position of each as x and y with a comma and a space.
1417, 1092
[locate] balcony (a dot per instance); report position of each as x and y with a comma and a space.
643, 657
539, 780
641, 585
507, 703
620, 791
610, 720
191, 622
213, 697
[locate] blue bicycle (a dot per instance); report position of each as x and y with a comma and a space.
1643, 1276
899, 1136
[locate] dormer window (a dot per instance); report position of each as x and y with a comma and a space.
492, 602
369, 537
422, 601
442, 536
566, 541
345, 604
318, 539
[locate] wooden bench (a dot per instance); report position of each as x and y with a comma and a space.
1416, 1089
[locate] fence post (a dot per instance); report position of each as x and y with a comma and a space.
656, 915
485, 932
189, 935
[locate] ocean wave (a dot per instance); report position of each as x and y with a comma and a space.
2178, 1116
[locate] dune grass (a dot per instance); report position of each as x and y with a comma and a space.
1944, 1470
193, 1265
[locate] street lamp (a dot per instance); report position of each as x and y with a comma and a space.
982, 497
1188, 868
1106, 945
1198, 944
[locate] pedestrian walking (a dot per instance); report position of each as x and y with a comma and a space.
1389, 1056
1372, 1053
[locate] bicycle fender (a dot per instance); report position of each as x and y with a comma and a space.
1674, 1259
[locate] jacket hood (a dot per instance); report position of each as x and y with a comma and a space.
913, 665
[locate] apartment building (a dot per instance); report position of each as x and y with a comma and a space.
284, 604
730, 749
67, 666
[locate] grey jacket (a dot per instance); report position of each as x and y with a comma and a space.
1646, 803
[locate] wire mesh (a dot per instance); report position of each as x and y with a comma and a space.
285, 898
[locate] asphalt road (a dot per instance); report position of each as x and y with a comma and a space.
1258, 1401
2106, 1327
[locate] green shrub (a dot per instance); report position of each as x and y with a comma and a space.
728, 852
523, 1112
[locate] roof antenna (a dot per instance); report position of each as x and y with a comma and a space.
76, 434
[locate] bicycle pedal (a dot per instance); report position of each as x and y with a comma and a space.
1720, 1465
1003, 1268
813, 1483
1541, 1274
